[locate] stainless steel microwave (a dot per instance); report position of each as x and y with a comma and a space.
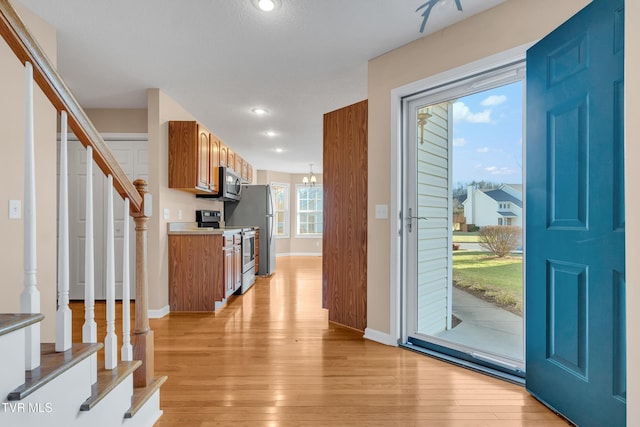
229, 187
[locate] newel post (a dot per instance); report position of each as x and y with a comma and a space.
142, 335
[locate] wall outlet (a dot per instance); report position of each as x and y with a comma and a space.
179, 213
15, 209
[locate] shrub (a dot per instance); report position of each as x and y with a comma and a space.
499, 239
472, 228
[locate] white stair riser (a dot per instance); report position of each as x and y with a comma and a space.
148, 414
12, 363
57, 404
109, 412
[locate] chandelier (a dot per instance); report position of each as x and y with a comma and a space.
311, 178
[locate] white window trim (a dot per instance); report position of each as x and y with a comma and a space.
305, 236
287, 211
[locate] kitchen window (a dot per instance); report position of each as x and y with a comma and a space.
309, 210
281, 208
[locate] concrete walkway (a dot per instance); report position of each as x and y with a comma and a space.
486, 327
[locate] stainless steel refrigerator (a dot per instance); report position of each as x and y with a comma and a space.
255, 208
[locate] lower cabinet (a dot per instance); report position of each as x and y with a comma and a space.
203, 269
195, 272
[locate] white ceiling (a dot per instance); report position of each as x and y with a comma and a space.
221, 58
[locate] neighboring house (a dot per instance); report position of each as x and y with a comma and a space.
501, 206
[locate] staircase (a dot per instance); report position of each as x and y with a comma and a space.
59, 392
66, 383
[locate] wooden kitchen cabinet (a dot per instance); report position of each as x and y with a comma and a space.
214, 162
245, 171
203, 269
238, 164
231, 159
189, 157
195, 272
195, 155
223, 154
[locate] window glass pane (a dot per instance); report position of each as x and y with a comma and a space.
281, 208
309, 215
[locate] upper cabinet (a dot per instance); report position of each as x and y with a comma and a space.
231, 159
214, 162
194, 156
223, 154
189, 157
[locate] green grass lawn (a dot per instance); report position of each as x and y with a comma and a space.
460, 237
496, 279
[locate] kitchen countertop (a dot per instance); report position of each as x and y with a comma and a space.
187, 228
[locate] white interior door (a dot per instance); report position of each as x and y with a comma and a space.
132, 154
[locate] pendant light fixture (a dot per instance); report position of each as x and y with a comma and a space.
311, 178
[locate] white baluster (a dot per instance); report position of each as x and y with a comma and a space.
89, 328
63, 315
111, 340
30, 297
127, 349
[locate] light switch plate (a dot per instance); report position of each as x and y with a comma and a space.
382, 211
15, 209
166, 214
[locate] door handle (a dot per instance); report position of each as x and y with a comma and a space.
411, 217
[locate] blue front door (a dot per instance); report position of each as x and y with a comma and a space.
575, 268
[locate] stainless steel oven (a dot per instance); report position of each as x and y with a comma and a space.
248, 258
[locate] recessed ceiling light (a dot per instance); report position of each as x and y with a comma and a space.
259, 111
279, 150
270, 133
266, 5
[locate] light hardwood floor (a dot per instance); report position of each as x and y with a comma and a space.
270, 358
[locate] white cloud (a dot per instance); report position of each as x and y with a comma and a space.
483, 150
494, 170
462, 113
459, 142
493, 100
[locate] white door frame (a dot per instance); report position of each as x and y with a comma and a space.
397, 275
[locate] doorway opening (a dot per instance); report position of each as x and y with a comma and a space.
463, 220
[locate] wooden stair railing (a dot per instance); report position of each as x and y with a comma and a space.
27, 49
29, 52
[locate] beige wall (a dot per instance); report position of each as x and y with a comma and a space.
292, 245
632, 178
12, 105
161, 110
509, 25
111, 120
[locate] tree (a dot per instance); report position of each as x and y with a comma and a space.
500, 239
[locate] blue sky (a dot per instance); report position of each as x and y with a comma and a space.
487, 136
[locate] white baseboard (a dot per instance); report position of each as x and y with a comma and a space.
157, 314
300, 254
381, 337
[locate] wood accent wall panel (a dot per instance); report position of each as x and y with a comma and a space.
195, 272
344, 243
